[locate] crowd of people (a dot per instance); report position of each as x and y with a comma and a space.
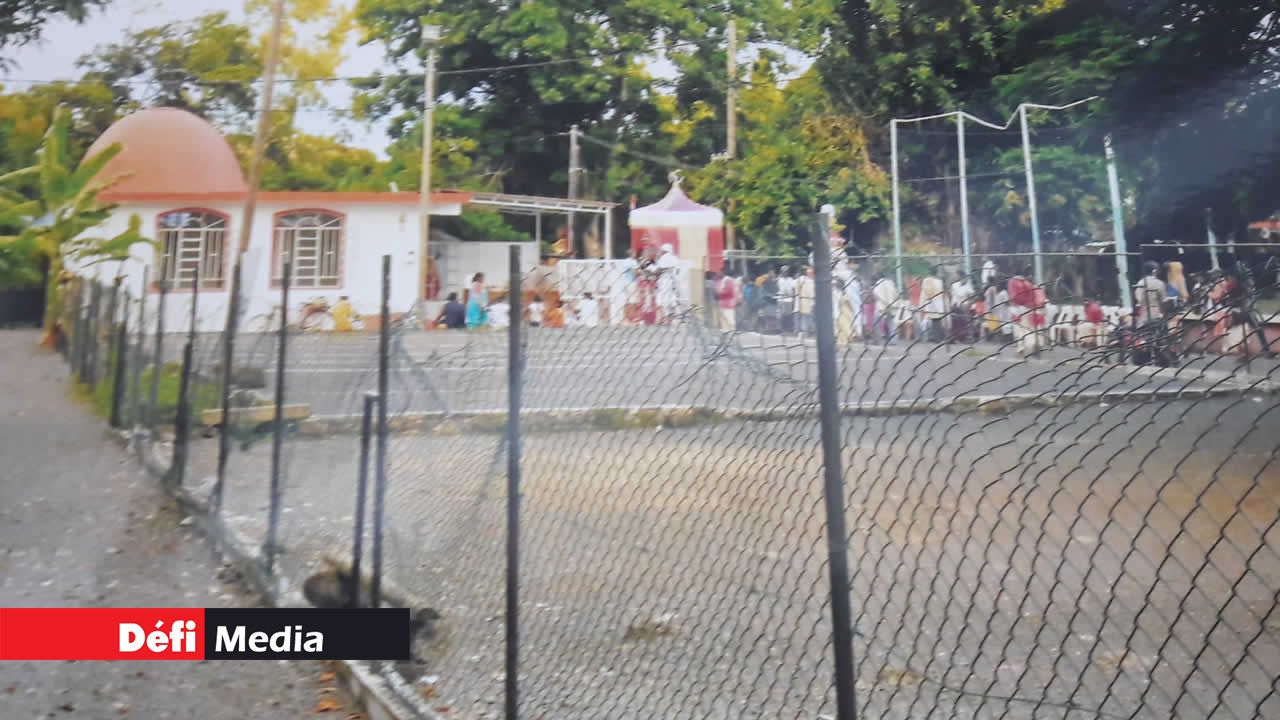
934, 306
871, 307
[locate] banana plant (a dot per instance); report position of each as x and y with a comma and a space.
55, 204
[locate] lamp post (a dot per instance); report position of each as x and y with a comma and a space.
430, 39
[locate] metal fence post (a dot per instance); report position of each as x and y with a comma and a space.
113, 303
833, 474
380, 478
362, 486
135, 386
277, 430
178, 466
228, 361
122, 365
515, 367
182, 419
77, 331
90, 374
157, 361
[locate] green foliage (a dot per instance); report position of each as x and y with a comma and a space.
205, 65
803, 154
204, 394
23, 21
53, 221
1071, 194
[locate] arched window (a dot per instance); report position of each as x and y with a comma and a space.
315, 239
192, 242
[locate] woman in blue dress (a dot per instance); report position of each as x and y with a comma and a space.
477, 303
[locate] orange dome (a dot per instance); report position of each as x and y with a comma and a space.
167, 151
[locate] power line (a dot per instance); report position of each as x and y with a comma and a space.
356, 78
664, 162
1007, 173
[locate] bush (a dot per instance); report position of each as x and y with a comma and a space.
204, 394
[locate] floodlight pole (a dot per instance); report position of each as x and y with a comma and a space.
1213, 238
1031, 195
897, 208
1117, 224
964, 199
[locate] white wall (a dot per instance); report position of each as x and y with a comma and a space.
371, 231
462, 260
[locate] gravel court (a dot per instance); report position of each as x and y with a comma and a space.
1002, 558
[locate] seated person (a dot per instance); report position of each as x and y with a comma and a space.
454, 315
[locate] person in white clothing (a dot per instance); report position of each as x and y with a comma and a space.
988, 272
806, 292
933, 306
885, 292
1150, 294
787, 300
536, 309
588, 311
853, 290
499, 314
668, 269
962, 296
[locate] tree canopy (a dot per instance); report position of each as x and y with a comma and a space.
818, 84
23, 21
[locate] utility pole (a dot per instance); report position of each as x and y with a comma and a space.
246, 229
430, 38
264, 125
964, 199
731, 113
1117, 225
575, 162
1031, 195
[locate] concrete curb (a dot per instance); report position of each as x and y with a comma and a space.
380, 696
623, 418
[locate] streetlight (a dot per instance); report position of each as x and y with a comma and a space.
431, 35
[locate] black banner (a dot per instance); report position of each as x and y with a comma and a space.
301, 634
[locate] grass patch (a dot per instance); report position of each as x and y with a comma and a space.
203, 394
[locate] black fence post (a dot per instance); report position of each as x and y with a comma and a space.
515, 368
833, 474
228, 361
109, 332
362, 486
157, 361
277, 430
139, 354
182, 418
121, 368
178, 466
77, 331
90, 373
380, 478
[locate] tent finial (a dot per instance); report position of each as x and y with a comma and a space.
676, 178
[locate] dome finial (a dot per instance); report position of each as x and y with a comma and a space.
676, 179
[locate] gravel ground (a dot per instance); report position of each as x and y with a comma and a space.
80, 526
1096, 558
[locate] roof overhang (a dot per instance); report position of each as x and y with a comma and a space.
442, 203
537, 205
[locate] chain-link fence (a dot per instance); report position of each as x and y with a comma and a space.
786, 487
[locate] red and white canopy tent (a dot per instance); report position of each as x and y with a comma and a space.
695, 232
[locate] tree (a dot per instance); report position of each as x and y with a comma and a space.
800, 153
520, 75
25, 116
22, 21
207, 66
66, 205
